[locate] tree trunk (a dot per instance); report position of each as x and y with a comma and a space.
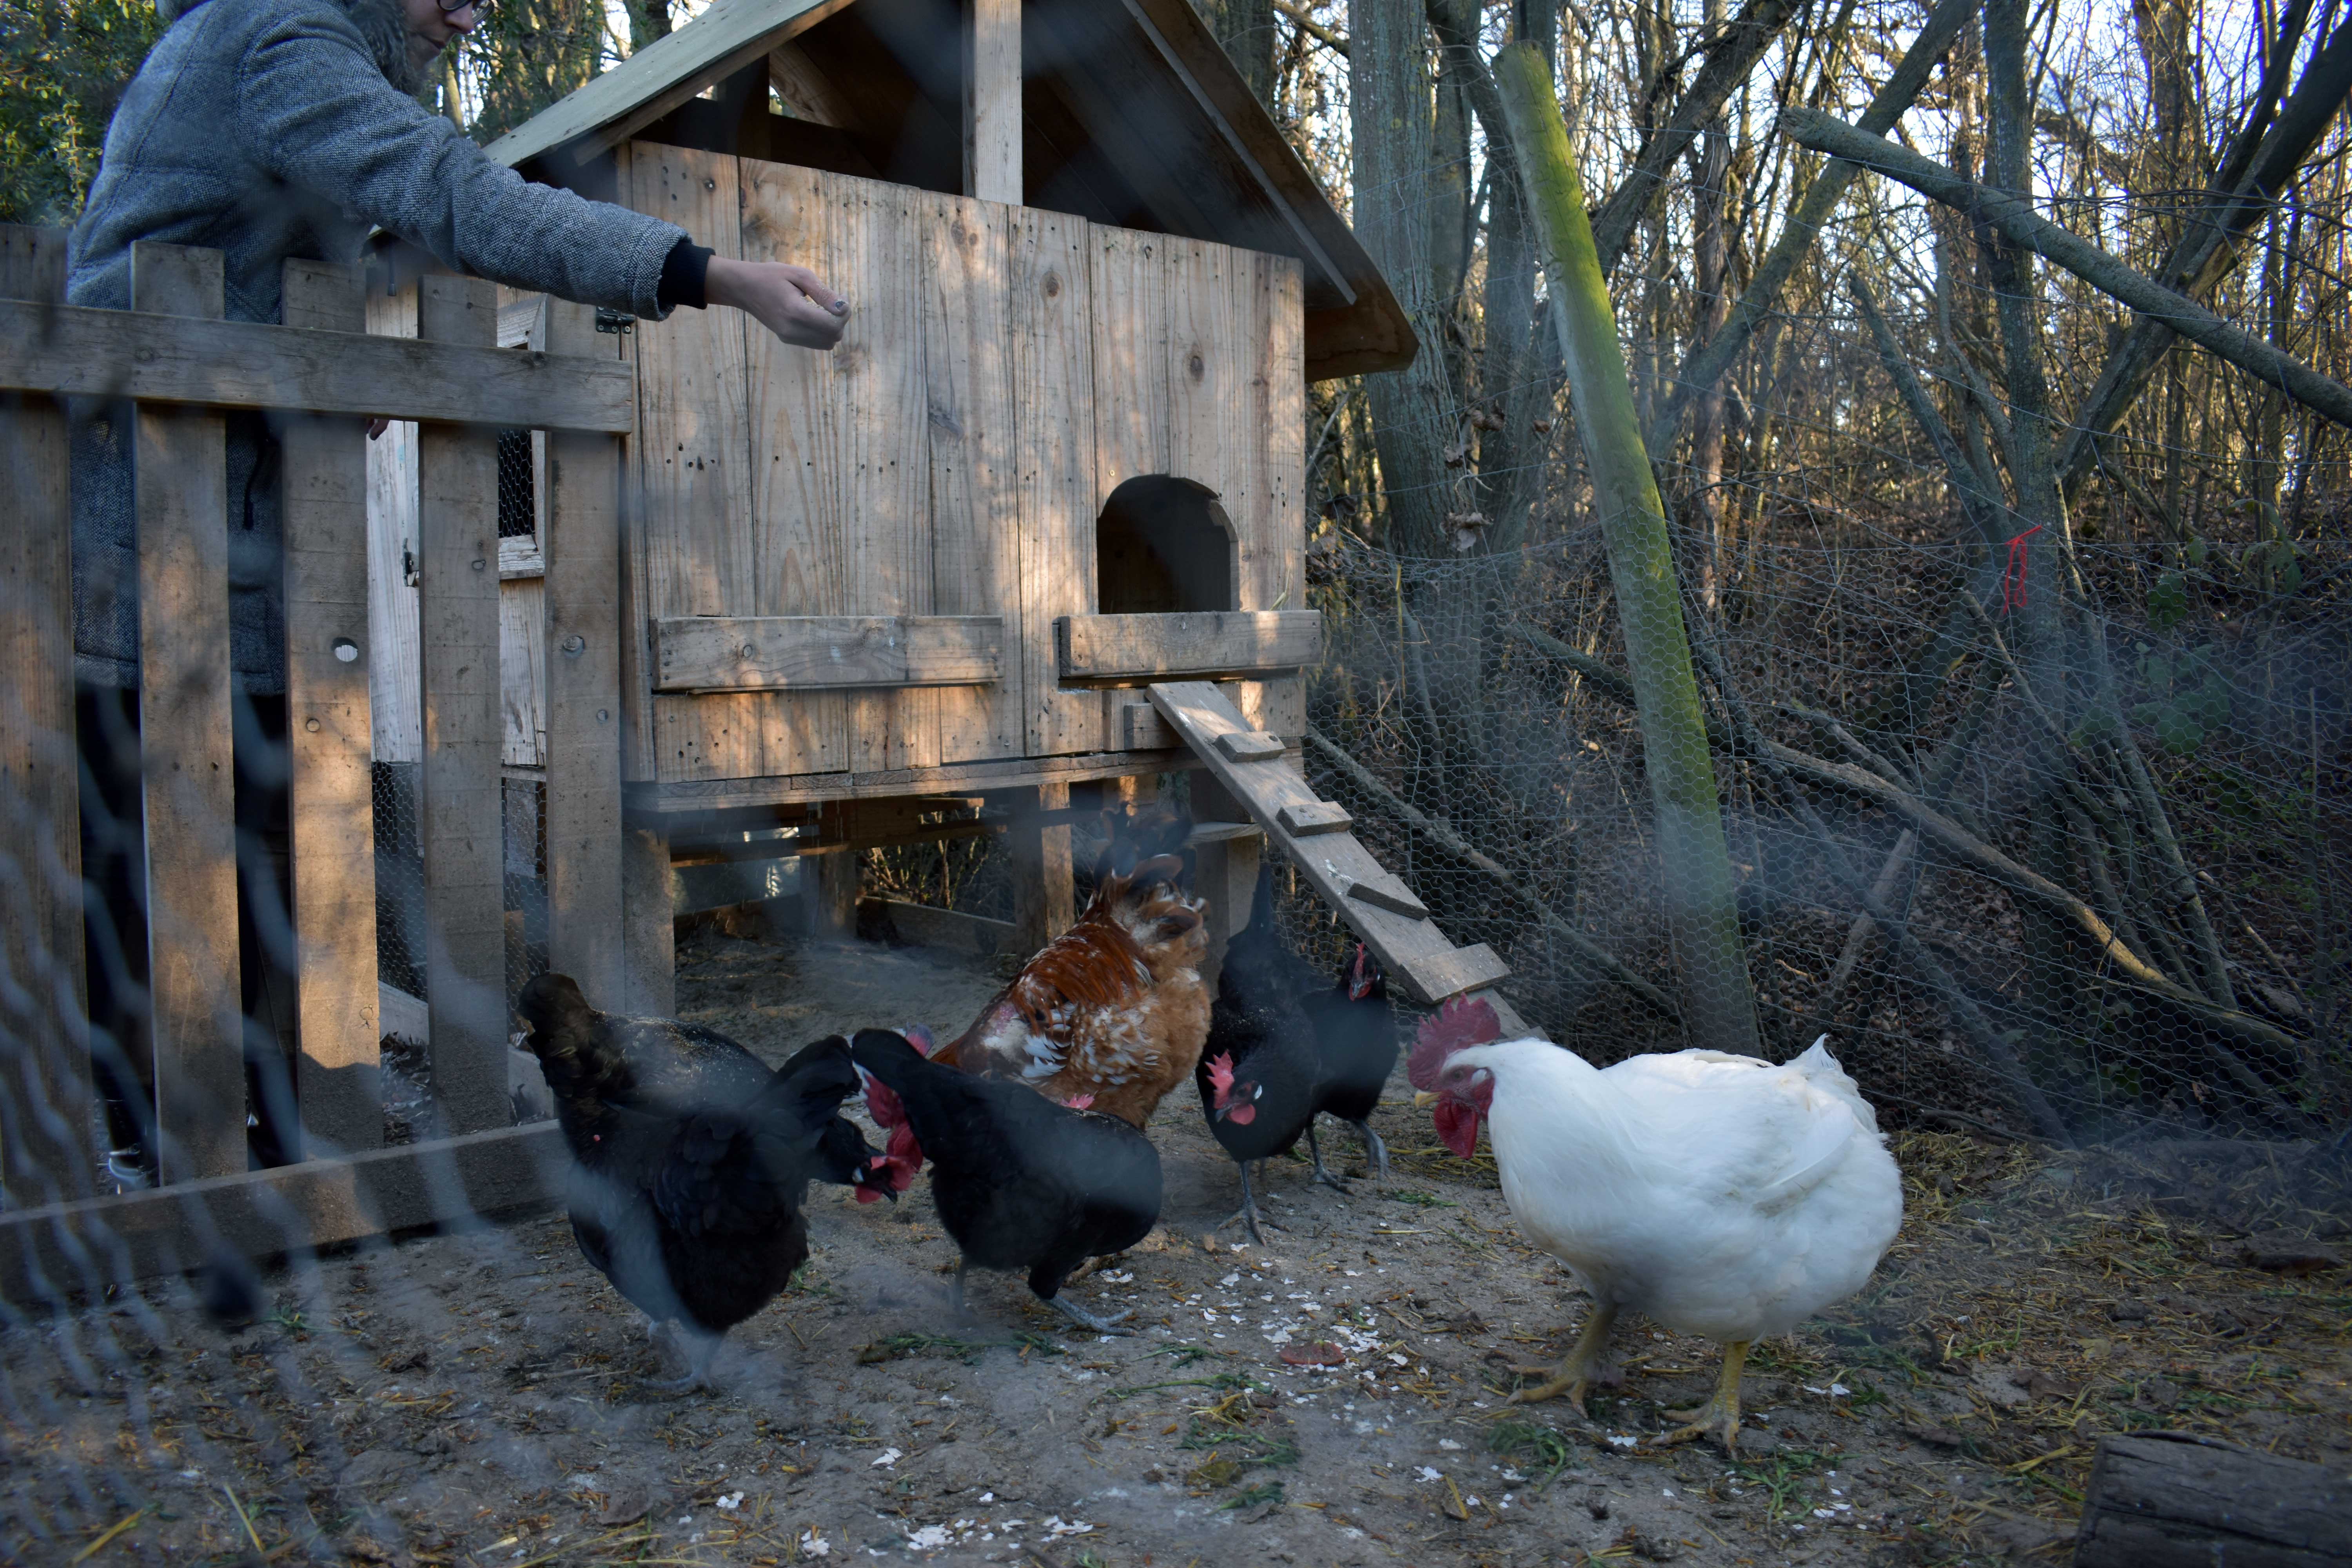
1246, 30
1695, 859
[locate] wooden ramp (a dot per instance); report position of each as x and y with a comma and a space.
1315, 833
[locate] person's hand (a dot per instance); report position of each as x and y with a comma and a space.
791, 301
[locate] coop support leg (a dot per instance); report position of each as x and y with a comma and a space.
1043, 893
649, 939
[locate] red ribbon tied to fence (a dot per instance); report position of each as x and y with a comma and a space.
2012, 577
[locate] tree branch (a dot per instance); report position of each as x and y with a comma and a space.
2016, 219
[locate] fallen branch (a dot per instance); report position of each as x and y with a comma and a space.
2015, 217
1454, 844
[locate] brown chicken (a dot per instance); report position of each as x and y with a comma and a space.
1114, 1008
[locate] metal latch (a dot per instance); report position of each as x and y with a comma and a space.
609, 321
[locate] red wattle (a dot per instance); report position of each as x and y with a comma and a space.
1457, 1126
1242, 1115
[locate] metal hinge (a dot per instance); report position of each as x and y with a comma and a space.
613, 321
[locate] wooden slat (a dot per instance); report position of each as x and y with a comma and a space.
1140, 727
769, 513
393, 677
1044, 896
952, 930
791, 653
522, 663
960, 778
648, 929
1415, 950
1282, 415
1388, 893
1304, 821
1129, 272
332, 810
40, 847
182, 490
1143, 648
992, 125
75, 352
457, 590
1052, 385
47, 1254
976, 543
582, 650
882, 461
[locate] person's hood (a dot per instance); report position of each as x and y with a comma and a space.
383, 23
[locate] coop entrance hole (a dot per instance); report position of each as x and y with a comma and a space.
1161, 545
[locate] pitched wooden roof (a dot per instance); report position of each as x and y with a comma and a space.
1131, 114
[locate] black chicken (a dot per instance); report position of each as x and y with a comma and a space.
1021, 1183
1260, 1074
1355, 1034
689, 1166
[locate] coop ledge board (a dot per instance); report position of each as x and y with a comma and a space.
801, 653
956, 778
51, 1253
1139, 649
1354, 325
73, 351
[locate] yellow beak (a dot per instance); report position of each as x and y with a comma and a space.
1422, 1099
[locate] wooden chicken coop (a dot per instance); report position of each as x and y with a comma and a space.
1057, 458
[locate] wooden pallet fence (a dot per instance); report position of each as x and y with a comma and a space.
177, 368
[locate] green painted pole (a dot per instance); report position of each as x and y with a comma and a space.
1694, 855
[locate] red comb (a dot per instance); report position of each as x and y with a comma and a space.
882, 1103
919, 1037
1221, 1075
1458, 1025
1079, 1102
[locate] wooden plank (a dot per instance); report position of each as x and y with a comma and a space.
1053, 388
394, 676
791, 653
1225, 872
976, 543
1143, 648
73, 350
581, 650
1249, 746
464, 823
1130, 388
1043, 895
181, 500
48, 1255
882, 461
1281, 384
794, 522
522, 666
1140, 727
1304, 821
1415, 950
41, 1014
332, 797
996, 773
1213, 406
648, 927
991, 109
2171, 1500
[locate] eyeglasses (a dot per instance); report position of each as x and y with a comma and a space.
447, 8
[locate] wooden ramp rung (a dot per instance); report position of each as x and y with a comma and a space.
1315, 833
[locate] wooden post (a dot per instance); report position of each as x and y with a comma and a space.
181, 502
648, 930
582, 543
829, 893
992, 110
49, 1158
1044, 896
457, 589
330, 745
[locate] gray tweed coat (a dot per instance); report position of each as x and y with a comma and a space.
270, 129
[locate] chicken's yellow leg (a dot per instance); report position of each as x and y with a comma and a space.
1719, 1417
1574, 1373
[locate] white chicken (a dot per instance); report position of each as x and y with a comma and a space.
1716, 1194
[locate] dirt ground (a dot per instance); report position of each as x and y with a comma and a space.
483, 1398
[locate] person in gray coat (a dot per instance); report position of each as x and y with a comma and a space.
271, 130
